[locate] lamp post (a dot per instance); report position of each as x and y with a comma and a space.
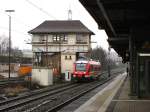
9, 11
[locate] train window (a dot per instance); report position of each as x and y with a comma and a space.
80, 67
91, 67
94, 68
97, 69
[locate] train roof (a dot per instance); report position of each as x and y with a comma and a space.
88, 61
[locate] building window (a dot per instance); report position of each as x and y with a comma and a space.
65, 57
60, 38
56, 38
65, 39
41, 38
68, 57
81, 39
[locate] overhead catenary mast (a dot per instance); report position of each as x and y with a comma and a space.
69, 14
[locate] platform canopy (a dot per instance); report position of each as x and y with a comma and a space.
122, 19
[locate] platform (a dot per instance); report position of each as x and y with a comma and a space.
115, 98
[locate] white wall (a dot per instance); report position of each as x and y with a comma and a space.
70, 46
37, 38
71, 39
67, 64
42, 76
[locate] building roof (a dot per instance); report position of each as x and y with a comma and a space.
121, 20
65, 26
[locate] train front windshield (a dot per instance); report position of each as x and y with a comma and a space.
80, 67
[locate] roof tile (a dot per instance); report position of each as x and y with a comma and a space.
66, 26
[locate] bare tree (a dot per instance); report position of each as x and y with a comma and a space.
4, 44
104, 57
4, 49
99, 54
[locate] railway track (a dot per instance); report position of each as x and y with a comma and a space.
49, 100
90, 88
76, 96
31, 93
53, 101
7, 81
33, 96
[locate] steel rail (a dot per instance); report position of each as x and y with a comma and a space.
67, 101
9, 105
61, 105
27, 99
34, 92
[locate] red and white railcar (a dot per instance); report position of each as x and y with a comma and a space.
84, 69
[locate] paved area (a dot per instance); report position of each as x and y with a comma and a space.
123, 102
102, 99
115, 98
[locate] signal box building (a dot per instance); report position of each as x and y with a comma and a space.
57, 44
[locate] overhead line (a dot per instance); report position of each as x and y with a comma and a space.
16, 19
42, 10
1, 27
3, 12
21, 22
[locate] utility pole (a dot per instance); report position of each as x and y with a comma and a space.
45, 41
9, 11
69, 14
47, 61
60, 55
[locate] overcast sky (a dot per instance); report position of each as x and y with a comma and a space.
30, 13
